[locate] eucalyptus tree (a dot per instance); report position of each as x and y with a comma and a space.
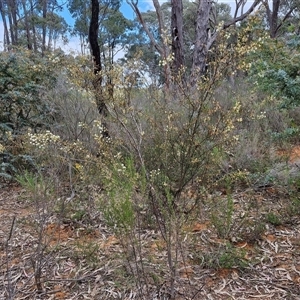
5, 26
114, 34
57, 26
95, 51
112, 26
204, 33
80, 11
142, 47
9, 10
279, 13
159, 41
107, 29
34, 23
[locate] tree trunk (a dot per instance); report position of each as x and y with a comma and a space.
93, 36
274, 20
27, 26
12, 9
95, 49
272, 16
44, 26
11, 25
201, 40
32, 25
177, 35
162, 49
204, 40
6, 34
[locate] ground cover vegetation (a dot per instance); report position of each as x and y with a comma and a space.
172, 173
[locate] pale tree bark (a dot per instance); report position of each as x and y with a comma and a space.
13, 8
239, 8
12, 19
204, 40
201, 45
6, 33
51, 31
243, 15
12, 35
165, 46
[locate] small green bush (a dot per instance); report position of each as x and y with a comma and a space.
226, 257
273, 219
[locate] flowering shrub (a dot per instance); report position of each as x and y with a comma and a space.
24, 78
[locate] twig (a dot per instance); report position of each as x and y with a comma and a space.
10, 289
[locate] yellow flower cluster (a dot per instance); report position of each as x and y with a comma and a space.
72, 147
78, 167
2, 148
237, 107
167, 60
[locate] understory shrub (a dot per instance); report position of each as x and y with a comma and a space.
24, 79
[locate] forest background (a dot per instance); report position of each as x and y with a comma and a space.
170, 171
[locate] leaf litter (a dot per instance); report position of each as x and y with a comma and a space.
69, 272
